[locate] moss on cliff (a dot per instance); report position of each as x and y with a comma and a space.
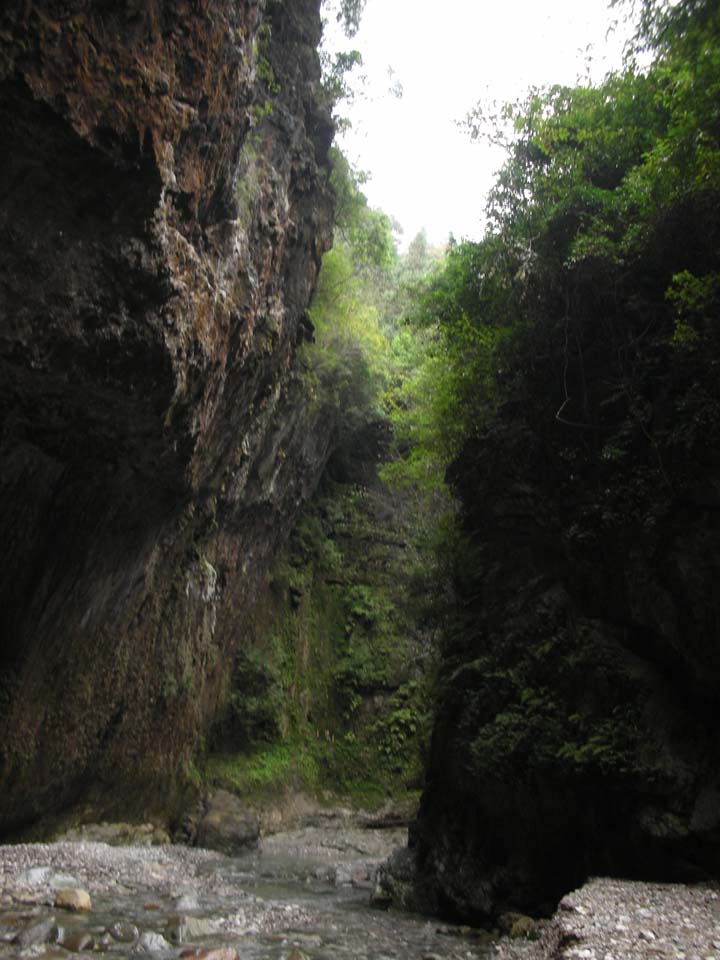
343, 660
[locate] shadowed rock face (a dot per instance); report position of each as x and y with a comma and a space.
577, 730
163, 211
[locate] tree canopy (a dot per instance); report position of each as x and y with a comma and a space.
590, 307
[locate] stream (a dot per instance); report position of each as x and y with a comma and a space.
303, 896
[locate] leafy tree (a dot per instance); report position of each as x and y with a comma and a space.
348, 362
347, 13
577, 345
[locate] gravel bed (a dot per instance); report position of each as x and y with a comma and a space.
103, 867
628, 920
604, 920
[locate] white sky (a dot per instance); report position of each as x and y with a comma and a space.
424, 171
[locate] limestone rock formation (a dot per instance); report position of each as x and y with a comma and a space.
577, 732
163, 210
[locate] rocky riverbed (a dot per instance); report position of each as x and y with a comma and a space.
624, 920
303, 896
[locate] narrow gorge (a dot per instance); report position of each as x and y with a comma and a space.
350, 546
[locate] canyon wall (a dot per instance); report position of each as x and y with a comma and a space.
577, 727
163, 214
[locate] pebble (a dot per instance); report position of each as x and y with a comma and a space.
213, 953
185, 902
150, 942
602, 920
610, 919
180, 929
124, 932
34, 877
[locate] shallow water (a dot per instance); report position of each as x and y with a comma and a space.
304, 895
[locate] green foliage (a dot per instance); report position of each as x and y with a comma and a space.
348, 362
337, 75
311, 542
583, 290
252, 715
366, 234
547, 696
266, 771
403, 729
696, 304
671, 26
335, 698
564, 373
347, 13
369, 649
338, 67
442, 364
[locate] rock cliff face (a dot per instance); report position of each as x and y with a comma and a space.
163, 213
577, 731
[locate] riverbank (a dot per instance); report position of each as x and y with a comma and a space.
628, 920
303, 896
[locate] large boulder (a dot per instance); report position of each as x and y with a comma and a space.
227, 825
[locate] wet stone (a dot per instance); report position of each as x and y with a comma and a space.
181, 929
78, 940
9, 927
186, 901
31, 897
227, 825
124, 932
308, 941
151, 942
60, 881
73, 899
211, 953
523, 928
36, 932
296, 954
257, 905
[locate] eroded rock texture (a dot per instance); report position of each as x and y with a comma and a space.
163, 211
577, 732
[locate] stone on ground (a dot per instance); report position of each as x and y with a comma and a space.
74, 899
227, 825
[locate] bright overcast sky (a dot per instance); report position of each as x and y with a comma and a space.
424, 170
